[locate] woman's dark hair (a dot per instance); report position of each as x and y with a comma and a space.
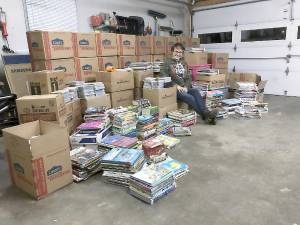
177, 45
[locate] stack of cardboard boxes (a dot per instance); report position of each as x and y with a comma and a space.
158, 48
219, 61
126, 49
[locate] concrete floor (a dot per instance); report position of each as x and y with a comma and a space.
242, 173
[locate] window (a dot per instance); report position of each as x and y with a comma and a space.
268, 34
298, 36
212, 38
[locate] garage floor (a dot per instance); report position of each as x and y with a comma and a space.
242, 173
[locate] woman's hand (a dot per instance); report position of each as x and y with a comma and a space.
181, 89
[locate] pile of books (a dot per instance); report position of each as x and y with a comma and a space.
183, 117
146, 126
230, 105
91, 89
247, 112
141, 66
214, 99
181, 131
124, 123
153, 83
169, 142
85, 163
65, 93
96, 113
157, 66
178, 169
165, 126
119, 163
246, 92
113, 141
152, 183
154, 150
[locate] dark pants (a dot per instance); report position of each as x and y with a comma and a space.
193, 98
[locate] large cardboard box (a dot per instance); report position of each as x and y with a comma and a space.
86, 68
106, 44
195, 42
143, 45
41, 107
164, 110
195, 58
143, 58
125, 61
107, 61
73, 115
126, 44
137, 93
170, 41
95, 101
161, 97
46, 81
140, 75
50, 45
17, 68
119, 80
158, 58
158, 45
218, 60
225, 71
67, 65
84, 44
38, 156
121, 98
214, 81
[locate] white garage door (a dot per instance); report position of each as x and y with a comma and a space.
260, 36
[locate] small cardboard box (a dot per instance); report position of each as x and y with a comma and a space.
95, 101
158, 45
143, 58
214, 81
125, 61
38, 156
218, 60
121, 98
46, 81
137, 93
164, 110
106, 44
107, 61
158, 58
170, 42
50, 45
84, 44
126, 44
195, 58
143, 45
161, 97
67, 65
195, 42
86, 68
119, 80
140, 75
41, 107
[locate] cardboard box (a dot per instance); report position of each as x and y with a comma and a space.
95, 101
67, 65
158, 45
106, 44
143, 45
218, 60
46, 81
38, 156
119, 80
195, 42
158, 58
74, 116
161, 97
126, 44
86, 68
164, 110
140, 75
125, 61
41, 107
143, 58
170, 41
84, 44
50, 45
137, 93
195, 58
106, 61
17, 68
186, 41
225, 71
121, 98
214, 81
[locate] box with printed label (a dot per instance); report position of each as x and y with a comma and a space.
95, 101
143, 45
50, 45
84, 44
107, 61
67, 65
218, 60
195, 58
161, 97
46, 81
126, 44
121, 98
38, 156
158, 45
143, 58
140, 75
158, 58
125, 61
106, 44
119, 80
170, 42
214, 81
86, 68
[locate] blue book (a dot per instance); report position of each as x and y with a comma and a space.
177, 168
122, 156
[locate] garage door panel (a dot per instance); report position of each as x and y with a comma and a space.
261, 65
293, 81
261, 52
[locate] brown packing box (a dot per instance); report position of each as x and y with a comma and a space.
74, 117
121, 98
195, 58
119, 80
143, 45
138, 93
225, 71
84, 44
195, 42
41, 107
170, 41
86, 68
164, 110
158, 45
126, 44
143, 58
186, 41
106, 61
218, 60
125, 61
46, 81
214, 81
106, 44
95, 101
158, 58
140, 75
50, 45
67, 65
161, 97
38, 156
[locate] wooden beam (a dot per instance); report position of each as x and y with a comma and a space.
210, 2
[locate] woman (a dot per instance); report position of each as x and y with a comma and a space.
176, 68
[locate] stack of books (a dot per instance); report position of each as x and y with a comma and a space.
154, 150
146, 127
154, 83
230, 105
247, 112
113, 141
169, 142
246, 92
124, 123
214, 99
181, 131
91, 89
157, 66
96, 113
183, 117
141, 66
165, 126
179, 169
